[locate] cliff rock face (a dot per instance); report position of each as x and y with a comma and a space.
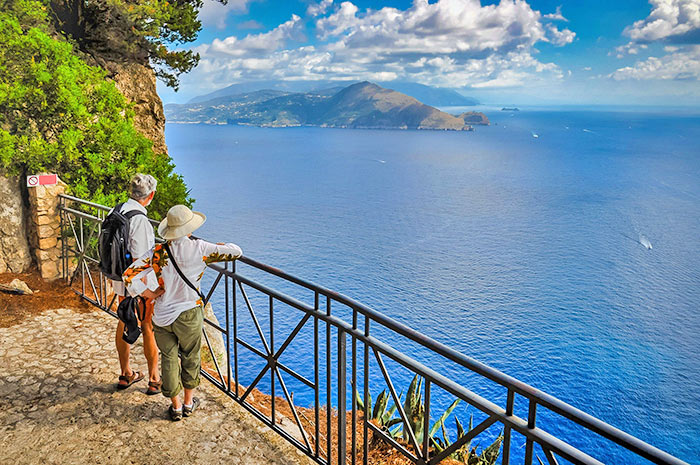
14, 249
138, 84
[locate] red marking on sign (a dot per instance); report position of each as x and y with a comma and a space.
47, 179
32, 181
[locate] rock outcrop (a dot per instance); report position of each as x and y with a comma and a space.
14, 248
138, 84
474, 117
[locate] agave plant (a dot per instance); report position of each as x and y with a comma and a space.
381, 415
413, 406
466, 453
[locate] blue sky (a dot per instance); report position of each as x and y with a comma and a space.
509, 51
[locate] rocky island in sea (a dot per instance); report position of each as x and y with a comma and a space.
362, 105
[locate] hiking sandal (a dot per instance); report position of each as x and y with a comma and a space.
174, 414
188, 411
135, 377
153, 388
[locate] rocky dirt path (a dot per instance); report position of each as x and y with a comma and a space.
59, 404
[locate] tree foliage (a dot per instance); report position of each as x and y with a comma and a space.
61, 115
141, 31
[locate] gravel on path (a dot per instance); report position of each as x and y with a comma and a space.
59, 404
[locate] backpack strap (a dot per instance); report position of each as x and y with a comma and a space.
132, 213
184, 278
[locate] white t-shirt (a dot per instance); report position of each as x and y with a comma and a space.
192, 256
141, 237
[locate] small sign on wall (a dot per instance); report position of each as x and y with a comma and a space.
41, 180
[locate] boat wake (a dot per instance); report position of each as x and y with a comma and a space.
643, 240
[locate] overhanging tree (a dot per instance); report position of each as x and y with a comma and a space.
141, 31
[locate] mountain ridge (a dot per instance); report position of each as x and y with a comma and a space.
360, 105
434, 96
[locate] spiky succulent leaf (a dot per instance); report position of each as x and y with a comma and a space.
358, 401
380, 406
491, 453
445, 436
389, 413
392, 422
438, 444
443, 417
460, 428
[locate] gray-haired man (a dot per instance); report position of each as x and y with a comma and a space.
142, 188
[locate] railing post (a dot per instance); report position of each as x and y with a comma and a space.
317, 386
228, 330
506, 431
342, 388
353, 390
426, 423
365, 384
531, 418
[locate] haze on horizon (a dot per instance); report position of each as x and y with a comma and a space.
627, 52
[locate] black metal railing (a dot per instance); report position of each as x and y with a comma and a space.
349, 347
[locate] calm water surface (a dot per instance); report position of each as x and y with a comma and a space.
527, 253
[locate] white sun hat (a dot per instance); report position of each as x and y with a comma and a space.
179, 222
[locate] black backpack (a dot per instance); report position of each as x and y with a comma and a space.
113, 243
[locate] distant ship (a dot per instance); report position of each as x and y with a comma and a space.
510, 109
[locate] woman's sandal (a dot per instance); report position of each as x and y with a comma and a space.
153, 388
135, 377
175, 415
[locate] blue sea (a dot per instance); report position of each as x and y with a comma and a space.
558, 245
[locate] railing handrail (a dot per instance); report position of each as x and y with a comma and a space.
548, 401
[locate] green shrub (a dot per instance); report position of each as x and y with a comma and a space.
61, 115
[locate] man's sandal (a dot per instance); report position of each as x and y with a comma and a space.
153, 388
135, 377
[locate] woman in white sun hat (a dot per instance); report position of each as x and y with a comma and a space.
178, 312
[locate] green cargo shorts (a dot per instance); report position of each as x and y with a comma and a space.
184, 335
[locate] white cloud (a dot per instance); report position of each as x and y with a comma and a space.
447, 26
214, 14
556, 16
316, 9
680, 65
669, 20
453, 43
560, 38
628, 49
254, 45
